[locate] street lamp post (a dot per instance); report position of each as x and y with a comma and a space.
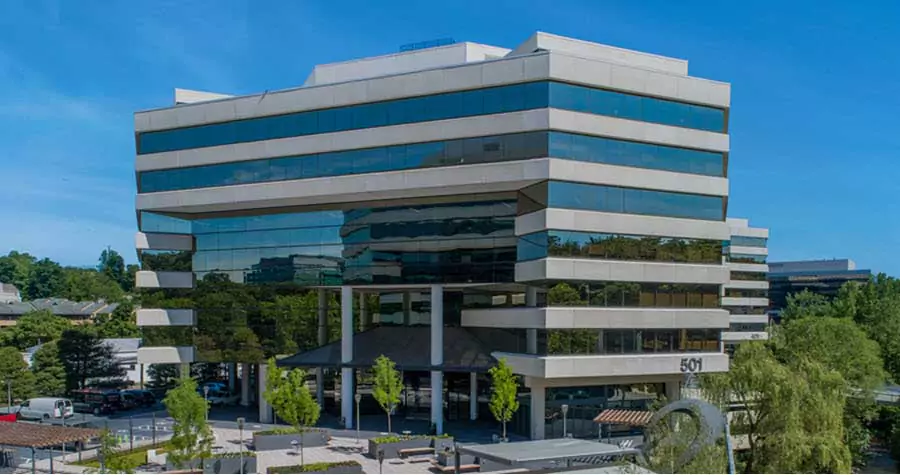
240, 423
358, 398
206, 398
565, 410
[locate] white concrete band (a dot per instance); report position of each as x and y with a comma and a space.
596, 317
619, 271
166, 355
165, 317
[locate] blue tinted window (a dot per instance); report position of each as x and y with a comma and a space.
436, 107
436, 154
747, 241
634, 201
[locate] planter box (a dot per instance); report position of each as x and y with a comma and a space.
392, 449
218, 465
310, 438
339, 469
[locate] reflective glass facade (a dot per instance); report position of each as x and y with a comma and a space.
494, 100
747, 293
578, 244
748, 327
438, 154
627, 294
745, 241
747, 310
747, 258
740, 275
456, 243
614, 199
619, 342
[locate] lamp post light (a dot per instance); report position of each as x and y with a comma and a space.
565, 410
358, 398
240, 423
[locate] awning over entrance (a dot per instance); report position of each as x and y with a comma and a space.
624, 417
38, 436
409, 347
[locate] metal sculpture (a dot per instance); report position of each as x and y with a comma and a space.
710, 421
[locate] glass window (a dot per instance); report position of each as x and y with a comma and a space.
492, 100
747, 293
747, 258
554, 243
745, 241
629, 294
634, 201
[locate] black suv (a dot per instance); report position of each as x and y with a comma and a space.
144, 398
96, 401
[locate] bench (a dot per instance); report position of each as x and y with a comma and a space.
450, 468
420, 450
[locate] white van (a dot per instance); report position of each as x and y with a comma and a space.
46, 408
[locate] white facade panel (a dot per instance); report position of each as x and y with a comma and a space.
160, 317
614, 175
619, 223
146, 279
582, 366
595, 317
581, 122
165, 355
164, 242
744, 336
619, 271
749, 319
749, 232
755, 251
744, 302
746, 267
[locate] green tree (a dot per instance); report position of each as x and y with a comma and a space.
386, 386
192, 437
806, 304
113, 460
15, 268
113, 266
290, 398
121, 323
49, 372
86, 357
47, 279
35, 327
504, 393
89, 285
162, 376
14, 370
793, 414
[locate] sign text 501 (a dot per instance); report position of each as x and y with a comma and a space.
691, 365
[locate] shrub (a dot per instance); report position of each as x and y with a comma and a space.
287, 431
313, 467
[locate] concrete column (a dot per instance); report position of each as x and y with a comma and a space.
538, 408
600, 341
437, 357
531, 333
323, 339
407, 307
473, 396
232, 377
265, 411
245, 384
363, 313
347, 355
673, 390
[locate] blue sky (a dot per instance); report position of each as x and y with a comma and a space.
813, 122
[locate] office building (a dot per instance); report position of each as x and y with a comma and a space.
746, 295
560, 204
823, 277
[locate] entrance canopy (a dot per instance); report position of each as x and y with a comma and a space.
39, 436
409, 347
548, 450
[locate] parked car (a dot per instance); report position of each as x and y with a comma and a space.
213, 386
144, 398
223, 398
96, 401
45, 408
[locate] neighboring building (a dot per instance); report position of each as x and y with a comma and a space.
124, 351
9, 294
746, 295
824, 277
560, 205
77, 312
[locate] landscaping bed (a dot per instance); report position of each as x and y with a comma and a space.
280, 439
393, 444
229, 462
346, 466
135, 457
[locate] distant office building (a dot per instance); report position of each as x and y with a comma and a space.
823, 277
77, 312
746, 295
